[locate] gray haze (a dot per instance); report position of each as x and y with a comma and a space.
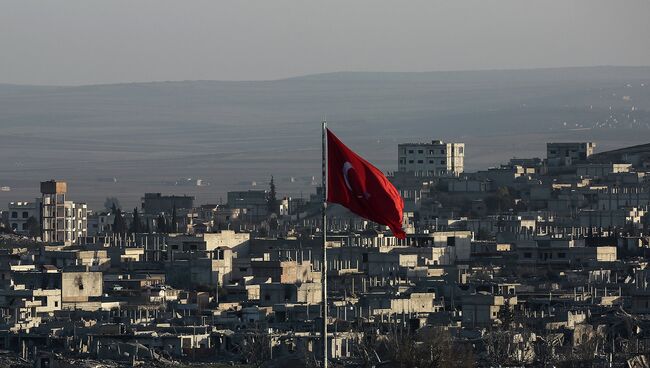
85, 42
127, 139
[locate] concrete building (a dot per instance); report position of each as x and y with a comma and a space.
601, 170
19, 214
239, 243
155, 203
622, 217
481, 309
252, 202
248, 199
277, 293
431, 159
567, 154
61, 221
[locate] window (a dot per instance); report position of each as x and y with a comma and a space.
410, 151
420, 161
442, 162
14, 214
420, 151
410, 161
430, 161
460, 150
528, 255
24, 226
442, 151
25, 214
561, 255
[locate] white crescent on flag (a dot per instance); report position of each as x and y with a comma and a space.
347, 166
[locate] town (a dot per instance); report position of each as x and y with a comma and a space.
537, 262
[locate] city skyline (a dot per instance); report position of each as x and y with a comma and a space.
266, 184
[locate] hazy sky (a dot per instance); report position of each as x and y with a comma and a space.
87, 41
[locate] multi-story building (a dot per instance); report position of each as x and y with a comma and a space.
19, 214
567, 154
254, 202
61, 221
432, 159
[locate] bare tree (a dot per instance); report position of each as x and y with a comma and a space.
428, 348
255, 348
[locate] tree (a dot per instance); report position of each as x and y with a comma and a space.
136, 226
255, 348
111, 203
428, 348
33, 227
500, 201
161, 224
271, 199
506, 314
483, 234
119, 224
5, 227
174, 223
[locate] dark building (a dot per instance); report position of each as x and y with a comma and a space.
154, 203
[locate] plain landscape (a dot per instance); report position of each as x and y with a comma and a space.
125, 139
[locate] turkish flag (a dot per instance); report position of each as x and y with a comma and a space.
362, 188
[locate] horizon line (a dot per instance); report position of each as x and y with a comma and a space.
298, 76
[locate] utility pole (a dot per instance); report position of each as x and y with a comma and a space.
324, 262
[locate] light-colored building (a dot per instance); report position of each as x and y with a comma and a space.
239, 243
277, 293
481, 309
61, 221
432, 159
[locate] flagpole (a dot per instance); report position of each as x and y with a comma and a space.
324, 259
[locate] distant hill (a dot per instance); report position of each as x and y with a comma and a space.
125, 139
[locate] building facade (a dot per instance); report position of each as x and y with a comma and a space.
61, 221
567, 154
156, 203
432, 159
19, 214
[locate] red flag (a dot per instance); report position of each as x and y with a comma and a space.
354, 183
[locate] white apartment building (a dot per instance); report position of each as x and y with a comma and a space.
61, 221
432, 159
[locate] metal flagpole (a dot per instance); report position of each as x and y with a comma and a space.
324, 259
